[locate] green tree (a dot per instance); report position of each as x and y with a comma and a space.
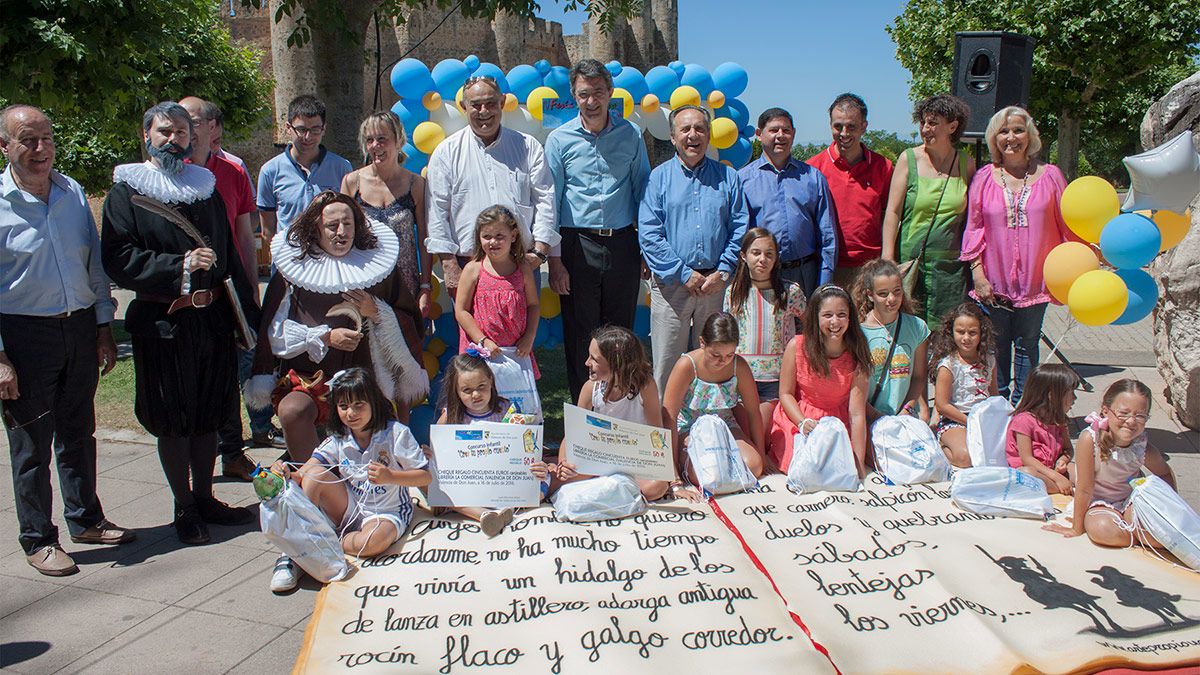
96, 65
1097, 65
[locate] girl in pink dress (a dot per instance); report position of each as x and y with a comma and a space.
497, 302
824, 373
1037, 441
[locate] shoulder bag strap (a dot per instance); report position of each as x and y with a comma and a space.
887, 363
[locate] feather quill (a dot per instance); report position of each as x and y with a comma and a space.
176, 218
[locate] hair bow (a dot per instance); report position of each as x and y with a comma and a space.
476, 350
1097, 421
336, 376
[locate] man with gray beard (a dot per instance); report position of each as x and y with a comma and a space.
181, 322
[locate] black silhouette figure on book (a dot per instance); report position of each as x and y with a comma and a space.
1043, 588
1133, 593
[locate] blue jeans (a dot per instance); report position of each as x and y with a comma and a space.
231, 441
1018, 333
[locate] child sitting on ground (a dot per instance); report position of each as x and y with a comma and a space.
964, 375
1036, 441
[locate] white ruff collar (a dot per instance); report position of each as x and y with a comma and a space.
190, 185
360, 268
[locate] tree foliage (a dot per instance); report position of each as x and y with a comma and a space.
1097, 65
96, 65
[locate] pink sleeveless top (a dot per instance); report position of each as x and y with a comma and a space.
499, 309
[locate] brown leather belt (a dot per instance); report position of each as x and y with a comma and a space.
198, 299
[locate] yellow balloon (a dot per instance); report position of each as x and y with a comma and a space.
684, 95
427, 135
716, 99
1087, 205
723, 132
431, 100
650, 103
510, 102
551, 304
1064, 264
435, 288
437, 347
1098, 298
727, 163
626, 101
1172, 226
458, 98
424, 172
431, 364
435, 311
534, 102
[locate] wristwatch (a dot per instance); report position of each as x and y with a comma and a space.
541, 256
724, 276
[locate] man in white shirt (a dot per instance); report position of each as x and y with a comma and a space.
481, 166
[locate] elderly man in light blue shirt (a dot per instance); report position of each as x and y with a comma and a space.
690, 226
55, 310
600, 170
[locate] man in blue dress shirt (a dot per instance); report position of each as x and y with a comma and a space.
690, 226
600, 170
55, 309
792, 200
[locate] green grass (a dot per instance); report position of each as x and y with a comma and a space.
114, 395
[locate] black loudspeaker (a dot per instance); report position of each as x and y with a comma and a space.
991, 70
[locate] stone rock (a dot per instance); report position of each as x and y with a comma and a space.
1177, 314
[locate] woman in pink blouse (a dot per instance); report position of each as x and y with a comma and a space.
1013, 220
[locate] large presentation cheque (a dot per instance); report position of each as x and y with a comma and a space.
600, 445
485, 465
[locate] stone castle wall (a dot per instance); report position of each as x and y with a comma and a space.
508, 40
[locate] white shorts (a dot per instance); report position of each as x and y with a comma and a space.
356, 518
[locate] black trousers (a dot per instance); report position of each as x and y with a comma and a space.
807, 273
57, 371
605, 277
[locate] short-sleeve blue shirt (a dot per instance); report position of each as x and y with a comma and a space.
286, 188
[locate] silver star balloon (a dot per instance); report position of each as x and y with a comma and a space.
1164, 178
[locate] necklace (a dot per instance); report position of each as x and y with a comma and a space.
1014, 204
887, 335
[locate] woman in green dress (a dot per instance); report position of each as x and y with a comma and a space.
927, 205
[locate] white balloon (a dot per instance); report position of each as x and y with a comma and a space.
520, 120
1164, 178
635, 118
450, 117
656, 123
712, 152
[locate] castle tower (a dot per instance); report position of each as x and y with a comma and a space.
665, 14
510, 31
639, 51
602, 46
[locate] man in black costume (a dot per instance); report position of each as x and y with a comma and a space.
182, 320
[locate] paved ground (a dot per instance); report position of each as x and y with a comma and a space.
157, 606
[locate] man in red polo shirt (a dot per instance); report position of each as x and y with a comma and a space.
858, 180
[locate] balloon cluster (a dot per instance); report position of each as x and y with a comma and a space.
1164, 181
429, 101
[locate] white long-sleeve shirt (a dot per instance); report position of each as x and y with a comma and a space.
465, 177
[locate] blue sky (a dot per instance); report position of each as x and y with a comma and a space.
800, 55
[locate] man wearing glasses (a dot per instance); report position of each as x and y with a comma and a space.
481, 166
290, 180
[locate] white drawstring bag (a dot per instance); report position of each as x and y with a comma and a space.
1000, 491
823, 460
714, 455
599, 498
515, 382
986, 424
302, 531
1169, 519
906, 452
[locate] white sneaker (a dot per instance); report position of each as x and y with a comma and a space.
286, 576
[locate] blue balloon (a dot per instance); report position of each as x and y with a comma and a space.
614, 67
737, 154
736, 111
411, 79
731, 79
641, 321
696, 75
677, 67
416, 160
747, 131
523, 79
448, 75
411, 113
543, 333
1143, 295
543, 66
631, 80
661, 81
493, 71
472, 62
559, 79
1129, 241
419, 421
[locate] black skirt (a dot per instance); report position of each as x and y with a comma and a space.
184, 371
